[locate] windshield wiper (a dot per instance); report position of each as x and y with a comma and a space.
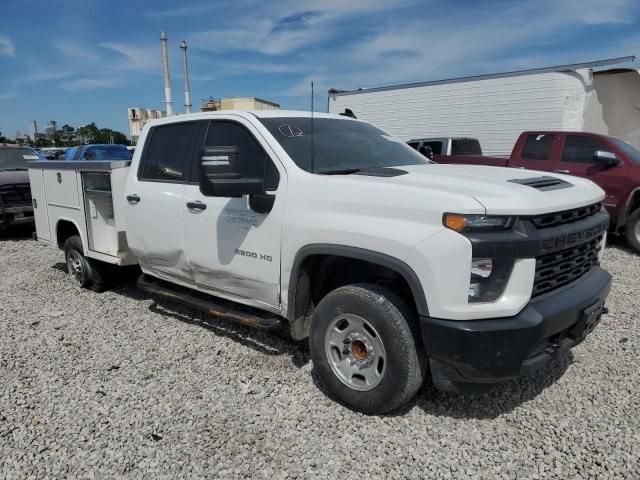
346, 171
13, 169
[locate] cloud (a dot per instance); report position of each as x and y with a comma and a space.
6, 47
7, 95
288, 27
83, 84
71, 50
136, 58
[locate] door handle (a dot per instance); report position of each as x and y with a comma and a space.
133, 198
559, 170
196, 206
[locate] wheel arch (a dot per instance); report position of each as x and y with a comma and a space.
65, 228
402, 269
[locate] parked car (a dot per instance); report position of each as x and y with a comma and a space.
393, 266
610, 162
15, 194
99, 151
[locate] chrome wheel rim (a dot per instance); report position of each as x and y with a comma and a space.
355, 352
75, 266
636, 230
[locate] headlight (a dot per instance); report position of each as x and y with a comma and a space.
488, 278
476, 223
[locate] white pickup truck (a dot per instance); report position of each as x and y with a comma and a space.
393, 267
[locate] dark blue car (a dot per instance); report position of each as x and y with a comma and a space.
98, 152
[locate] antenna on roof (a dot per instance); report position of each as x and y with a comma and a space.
312, 146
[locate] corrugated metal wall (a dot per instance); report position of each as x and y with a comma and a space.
495, 111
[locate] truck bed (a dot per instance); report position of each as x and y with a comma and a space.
87, 194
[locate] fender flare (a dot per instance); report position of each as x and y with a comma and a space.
65, 219
357, 253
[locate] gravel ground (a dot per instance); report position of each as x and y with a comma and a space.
113, 385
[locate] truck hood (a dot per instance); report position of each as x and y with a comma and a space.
498, 190
13, 177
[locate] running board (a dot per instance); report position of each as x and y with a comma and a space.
197, 301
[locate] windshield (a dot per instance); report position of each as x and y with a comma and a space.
108, 152
629, 150
339, 145
16, 158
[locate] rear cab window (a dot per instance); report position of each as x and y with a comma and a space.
466, 146
169, 153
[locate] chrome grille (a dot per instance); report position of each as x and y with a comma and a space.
563, 267
567, 216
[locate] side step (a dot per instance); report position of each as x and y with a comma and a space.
204, 303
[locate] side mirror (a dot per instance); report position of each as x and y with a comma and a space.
606, 159
220, 174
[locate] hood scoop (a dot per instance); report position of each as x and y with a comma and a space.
543, 183
381, 172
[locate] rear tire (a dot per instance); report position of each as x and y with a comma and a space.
632, 232
84, 272
366, 348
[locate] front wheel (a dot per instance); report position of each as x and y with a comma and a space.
366, 349
632, 232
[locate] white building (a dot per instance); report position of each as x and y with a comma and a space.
137, 119
497, 108
33, 130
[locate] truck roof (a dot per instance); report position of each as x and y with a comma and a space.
246, 114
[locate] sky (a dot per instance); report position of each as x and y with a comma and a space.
82, 61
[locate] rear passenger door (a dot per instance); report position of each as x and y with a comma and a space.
537, 153
155, 200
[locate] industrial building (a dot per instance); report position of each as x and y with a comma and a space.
237, 103
497, 108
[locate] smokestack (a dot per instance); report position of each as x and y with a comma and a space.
167, 83
187, 95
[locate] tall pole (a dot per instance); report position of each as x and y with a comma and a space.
187, 95
167, 84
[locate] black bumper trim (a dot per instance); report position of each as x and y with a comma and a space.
494, 350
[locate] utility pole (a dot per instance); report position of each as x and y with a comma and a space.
167, 84
187, 95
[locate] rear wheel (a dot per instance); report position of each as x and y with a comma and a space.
84, 272
366, 348
632, 232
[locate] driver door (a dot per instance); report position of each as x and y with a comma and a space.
232, 250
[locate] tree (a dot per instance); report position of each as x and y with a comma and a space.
88, 133
68, 134
106, 135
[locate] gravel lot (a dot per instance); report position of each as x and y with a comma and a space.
113, 385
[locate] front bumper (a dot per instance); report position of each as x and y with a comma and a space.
16, 215
463, 353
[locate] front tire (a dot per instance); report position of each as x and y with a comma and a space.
632, 232
366, 348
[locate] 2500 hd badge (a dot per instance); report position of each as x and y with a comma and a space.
260, 256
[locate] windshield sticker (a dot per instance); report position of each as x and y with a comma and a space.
290, 131
30, 157
391, 139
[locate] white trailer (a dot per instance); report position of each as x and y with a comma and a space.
497, 108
